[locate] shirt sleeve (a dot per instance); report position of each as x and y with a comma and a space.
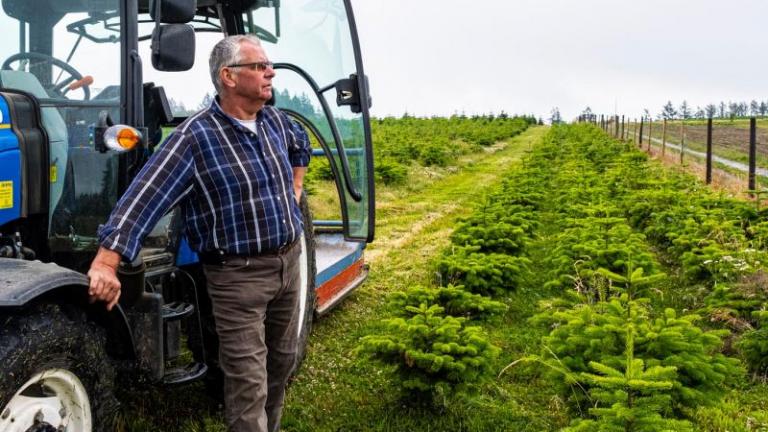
299, 150
164, 180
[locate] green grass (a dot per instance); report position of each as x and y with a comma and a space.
335, 390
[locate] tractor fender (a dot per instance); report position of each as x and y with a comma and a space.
23, 282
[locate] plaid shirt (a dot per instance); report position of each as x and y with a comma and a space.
234, 187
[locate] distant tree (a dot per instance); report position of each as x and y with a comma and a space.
668, 112
646, 113
541, 121
207, 99
555, 117
763, 108
754, 108
685, 110
700, 114
723, 111
743, 109
587, 114
710, 110
733, 109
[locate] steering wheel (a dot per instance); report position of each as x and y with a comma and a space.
56, 89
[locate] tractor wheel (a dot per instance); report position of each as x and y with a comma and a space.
308, 272
54, 372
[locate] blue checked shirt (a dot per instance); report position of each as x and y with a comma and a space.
234, 187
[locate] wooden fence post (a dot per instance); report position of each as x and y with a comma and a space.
650, 133
622, 127
709, 151
752, 153
682, 139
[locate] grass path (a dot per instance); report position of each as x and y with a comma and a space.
336, 391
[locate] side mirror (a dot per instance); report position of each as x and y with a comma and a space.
173, 47
172, 11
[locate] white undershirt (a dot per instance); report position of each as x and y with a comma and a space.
250, 124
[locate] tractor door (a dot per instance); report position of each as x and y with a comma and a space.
320, 82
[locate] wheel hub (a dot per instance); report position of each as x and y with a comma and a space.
51, 401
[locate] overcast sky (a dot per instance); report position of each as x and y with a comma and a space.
439, 57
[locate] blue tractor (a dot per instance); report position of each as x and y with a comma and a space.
88, 88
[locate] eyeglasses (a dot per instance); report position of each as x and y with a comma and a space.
259, 66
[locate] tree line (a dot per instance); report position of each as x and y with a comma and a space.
721, 110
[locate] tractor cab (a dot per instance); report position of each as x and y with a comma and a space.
89, 64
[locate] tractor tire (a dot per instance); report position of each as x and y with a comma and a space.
308, 272
54, 372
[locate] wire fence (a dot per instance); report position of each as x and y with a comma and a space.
732, 151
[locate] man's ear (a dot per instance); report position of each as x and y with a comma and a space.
227, 77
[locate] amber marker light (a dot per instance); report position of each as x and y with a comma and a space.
121, 138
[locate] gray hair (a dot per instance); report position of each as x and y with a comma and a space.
227, 52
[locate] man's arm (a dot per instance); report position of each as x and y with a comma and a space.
161, 183
299, 153
298, 182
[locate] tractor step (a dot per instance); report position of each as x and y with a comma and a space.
183, 375
177, 310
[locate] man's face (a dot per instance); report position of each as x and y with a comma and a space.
250, 82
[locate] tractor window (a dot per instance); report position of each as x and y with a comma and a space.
67, 55
61, 56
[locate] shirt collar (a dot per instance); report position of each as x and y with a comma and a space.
216, 108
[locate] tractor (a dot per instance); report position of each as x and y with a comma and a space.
88, 90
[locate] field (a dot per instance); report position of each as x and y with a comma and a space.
554, 279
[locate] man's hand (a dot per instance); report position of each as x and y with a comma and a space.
298, 182
104, 284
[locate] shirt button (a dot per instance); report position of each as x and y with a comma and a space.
283, 220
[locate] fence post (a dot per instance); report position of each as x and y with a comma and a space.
640, 137
682, 139
752, 153
650, 133
709, 150
622, 127
634, 130
664, 138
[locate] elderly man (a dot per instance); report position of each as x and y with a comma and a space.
235, 169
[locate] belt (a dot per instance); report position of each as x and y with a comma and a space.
220, 257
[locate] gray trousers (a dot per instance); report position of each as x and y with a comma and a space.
255, 306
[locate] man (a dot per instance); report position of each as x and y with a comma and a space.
236, 170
